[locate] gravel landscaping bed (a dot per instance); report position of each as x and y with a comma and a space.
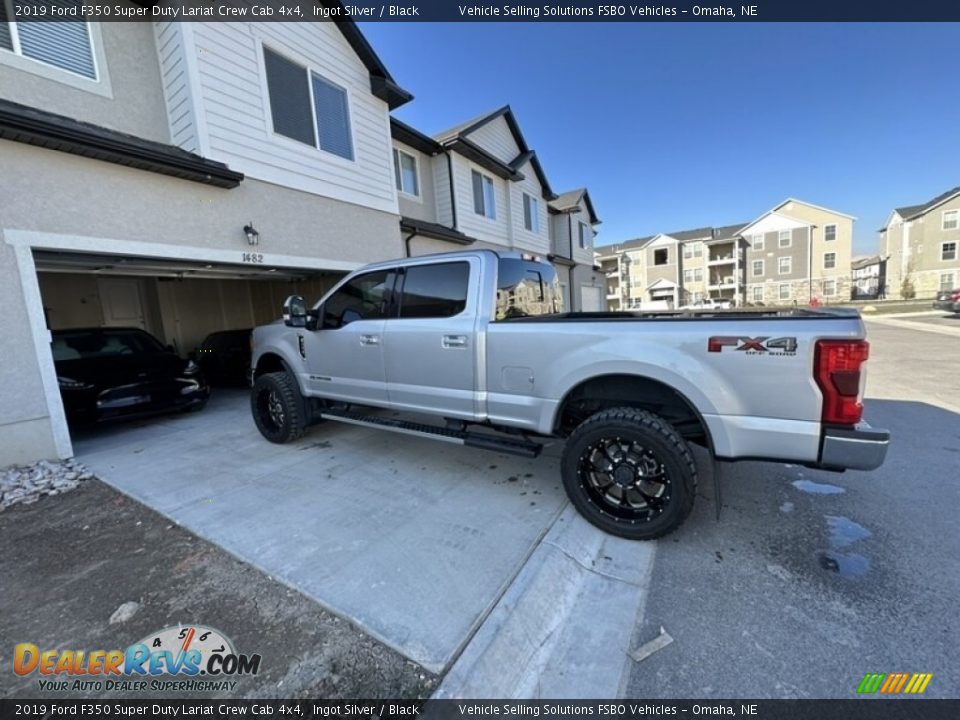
27, 484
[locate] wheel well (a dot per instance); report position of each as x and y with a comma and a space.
607, 391
268, 363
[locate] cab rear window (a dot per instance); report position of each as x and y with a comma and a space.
527, 288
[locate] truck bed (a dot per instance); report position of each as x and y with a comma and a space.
675, 315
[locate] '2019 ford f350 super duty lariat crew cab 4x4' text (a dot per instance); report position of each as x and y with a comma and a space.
477, 340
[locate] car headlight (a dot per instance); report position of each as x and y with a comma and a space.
71, 384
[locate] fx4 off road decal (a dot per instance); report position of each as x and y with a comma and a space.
754, 345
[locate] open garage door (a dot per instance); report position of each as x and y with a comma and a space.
99, 308
178, 302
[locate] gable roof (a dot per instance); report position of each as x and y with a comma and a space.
463, 129
909, 212
810, 204
570, 201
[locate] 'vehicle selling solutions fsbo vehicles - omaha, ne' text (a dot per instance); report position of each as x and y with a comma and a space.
477, 340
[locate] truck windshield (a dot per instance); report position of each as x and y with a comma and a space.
526, 288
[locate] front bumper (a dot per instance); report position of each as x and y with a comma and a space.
858, 448
947, 305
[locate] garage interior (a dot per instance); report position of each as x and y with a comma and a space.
179, 302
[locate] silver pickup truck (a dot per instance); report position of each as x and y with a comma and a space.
477, 340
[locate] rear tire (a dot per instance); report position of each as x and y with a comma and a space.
278, 408
630, 473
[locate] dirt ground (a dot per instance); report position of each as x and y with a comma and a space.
68, 562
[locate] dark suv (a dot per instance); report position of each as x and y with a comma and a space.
948, 300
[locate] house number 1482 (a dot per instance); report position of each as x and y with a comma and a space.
256, 258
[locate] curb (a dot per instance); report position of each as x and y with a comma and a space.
543, 639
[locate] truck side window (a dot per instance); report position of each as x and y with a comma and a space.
526, 288
435, 291
366, 297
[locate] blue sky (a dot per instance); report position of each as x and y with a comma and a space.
676, 126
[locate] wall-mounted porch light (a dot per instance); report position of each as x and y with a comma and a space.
253, 237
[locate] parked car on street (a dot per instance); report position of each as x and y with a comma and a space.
709, 304
477, 340
948, 300
224, 357
116, 373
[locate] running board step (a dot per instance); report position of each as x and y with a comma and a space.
457, 437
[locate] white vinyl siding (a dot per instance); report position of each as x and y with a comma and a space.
441, 190
495, 137
63, 44
177, 91
227, 64
406, 172
531, 213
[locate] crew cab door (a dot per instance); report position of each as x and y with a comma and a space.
431, 357
344, 355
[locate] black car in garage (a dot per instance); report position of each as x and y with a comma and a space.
224, 357
115, 373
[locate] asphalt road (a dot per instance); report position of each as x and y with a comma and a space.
812, 579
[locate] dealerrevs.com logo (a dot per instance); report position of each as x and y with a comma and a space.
182, 658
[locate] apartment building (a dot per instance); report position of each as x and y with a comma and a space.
793, 253
480, 184
921, 244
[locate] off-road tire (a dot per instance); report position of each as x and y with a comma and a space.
641, 429
278, 408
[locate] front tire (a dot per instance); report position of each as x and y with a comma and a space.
630, 473
278, 408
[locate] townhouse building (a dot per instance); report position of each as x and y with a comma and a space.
793, 253
921, 245
185, 177
480, 184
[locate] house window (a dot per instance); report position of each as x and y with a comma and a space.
531, 213
585, 235
688, 276
946, 281
405, 172
784, 292
785, 265
660, 256
757, 268
758, 293
306, 107
948, 251
484, 199
65, 45
829, 260
757, 241
693, 275
829, 232
829, 288
692, 250
785, 238
951, 219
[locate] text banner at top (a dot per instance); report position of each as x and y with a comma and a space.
486, 11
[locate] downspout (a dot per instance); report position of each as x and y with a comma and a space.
406, 242
453, 196
574, 266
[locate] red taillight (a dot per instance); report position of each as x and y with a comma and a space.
837, 366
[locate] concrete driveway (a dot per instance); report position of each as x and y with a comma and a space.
412, 540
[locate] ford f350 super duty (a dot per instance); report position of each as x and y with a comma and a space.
477, 340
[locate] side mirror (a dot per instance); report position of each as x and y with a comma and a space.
295, 311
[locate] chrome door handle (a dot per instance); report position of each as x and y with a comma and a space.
454, 341
369, 339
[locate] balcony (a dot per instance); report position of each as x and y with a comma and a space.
722, 260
